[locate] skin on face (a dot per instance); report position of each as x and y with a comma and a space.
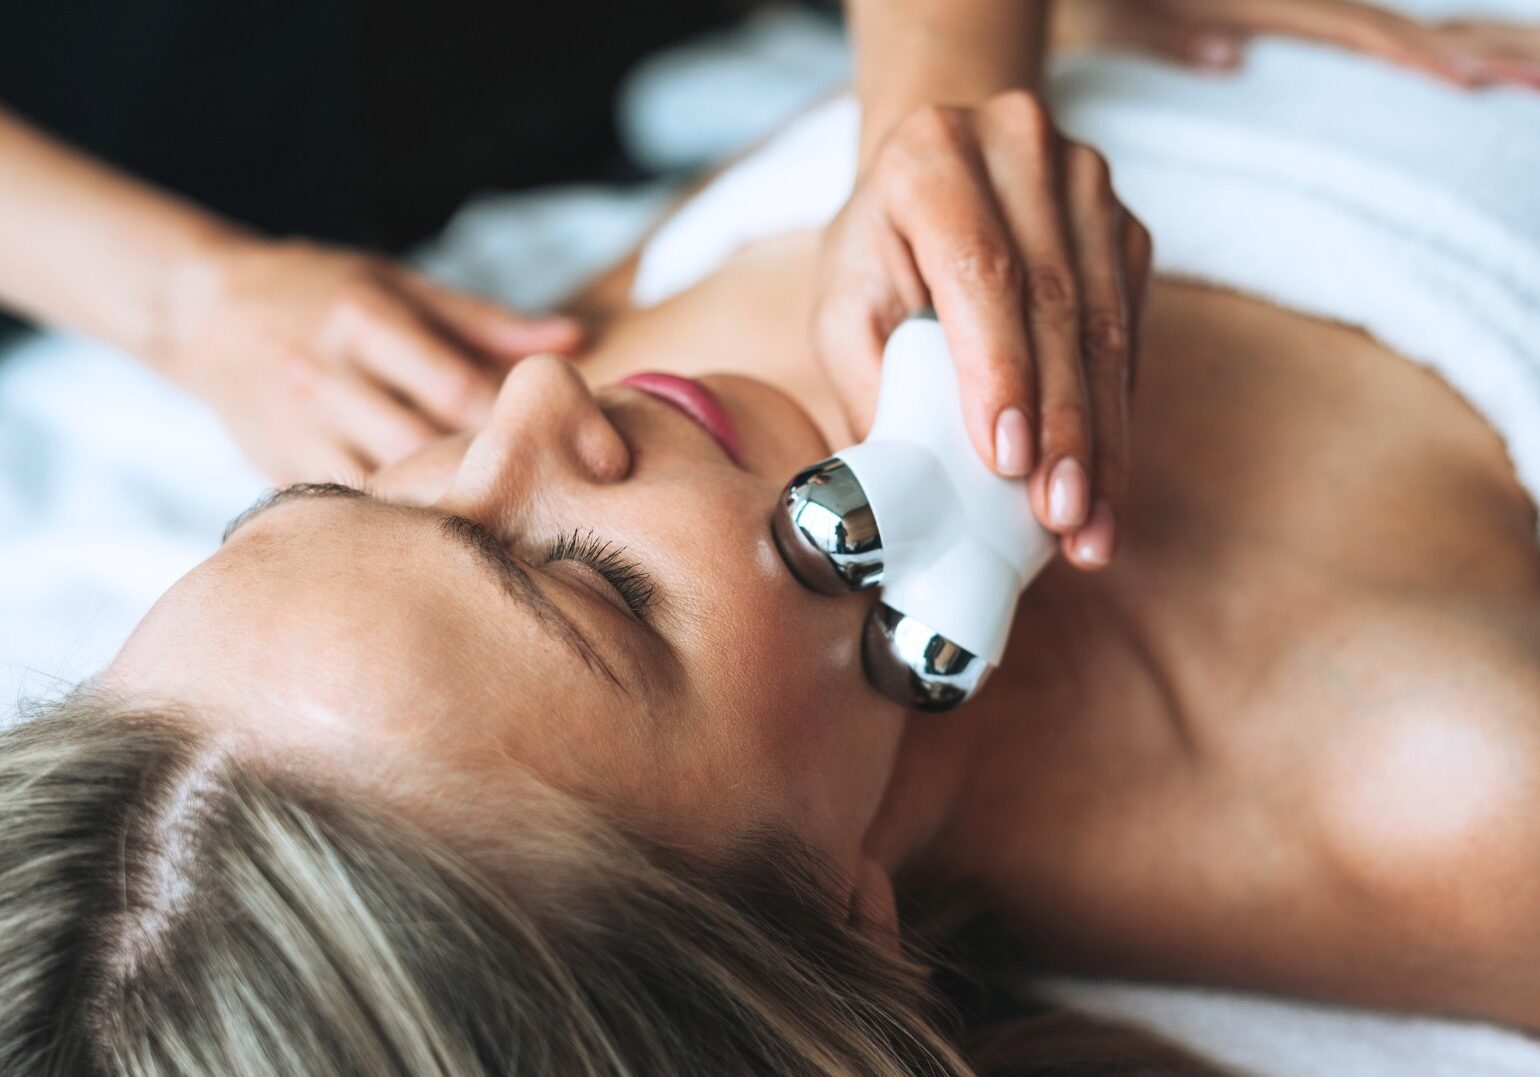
366, 636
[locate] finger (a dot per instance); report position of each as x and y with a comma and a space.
1138, 261
379, 427
1418, 48
1091, 548
397, 348
1366, 28
1517, 70
1096, 219
865, 299
312, 456
1504, 52
856, 375
1455, 52
500, 334
1026, 167
945, 212
849, 336
1216, 49
903, 290
335, 461
880, 304
1150, 27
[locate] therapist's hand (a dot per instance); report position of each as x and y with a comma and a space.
1037, 272
328, 364
1213, 34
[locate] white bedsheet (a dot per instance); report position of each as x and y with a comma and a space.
113, 484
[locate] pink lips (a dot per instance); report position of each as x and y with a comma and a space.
696, 401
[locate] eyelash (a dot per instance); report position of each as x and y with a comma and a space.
607, 559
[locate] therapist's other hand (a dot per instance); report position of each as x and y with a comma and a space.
1015, 236
1213, 34
326, 363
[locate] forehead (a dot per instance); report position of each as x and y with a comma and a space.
321, 621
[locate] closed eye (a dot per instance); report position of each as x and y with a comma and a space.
470, 535
629, 579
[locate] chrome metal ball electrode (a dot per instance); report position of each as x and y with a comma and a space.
914, 511
826, 532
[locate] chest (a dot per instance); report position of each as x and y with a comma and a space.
1305, 501
1323, 544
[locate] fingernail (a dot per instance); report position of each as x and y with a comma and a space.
554, 326
1013, 443
1068, 492
1467, 68
1094, 542
1216, 51
552, 321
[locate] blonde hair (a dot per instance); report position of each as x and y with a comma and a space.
165, 909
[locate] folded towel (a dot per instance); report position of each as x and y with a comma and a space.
1330, 184
1348, 190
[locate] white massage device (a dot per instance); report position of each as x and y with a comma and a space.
913, 509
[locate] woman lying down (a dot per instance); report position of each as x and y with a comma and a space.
529, 755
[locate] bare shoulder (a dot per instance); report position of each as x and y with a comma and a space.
1304, 705
1407, 776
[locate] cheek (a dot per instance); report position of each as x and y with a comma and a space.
811, 655
795, 669
773, 672
757, 644
810, 727
766, 636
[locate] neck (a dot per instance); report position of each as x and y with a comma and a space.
1078, 690
935, 759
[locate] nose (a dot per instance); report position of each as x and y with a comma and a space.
546, 429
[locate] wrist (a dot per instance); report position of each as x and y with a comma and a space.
907, 56
190, 285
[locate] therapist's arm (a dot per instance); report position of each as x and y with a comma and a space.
1471, 53
913, 53
87, 249
323, 363
969, 199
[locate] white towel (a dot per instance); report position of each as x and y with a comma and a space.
1348, 190
1327, 183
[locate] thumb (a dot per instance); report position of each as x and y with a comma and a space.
850, 352
498, 333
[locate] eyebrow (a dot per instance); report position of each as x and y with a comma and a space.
471, 536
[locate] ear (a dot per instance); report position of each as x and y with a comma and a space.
873, 909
